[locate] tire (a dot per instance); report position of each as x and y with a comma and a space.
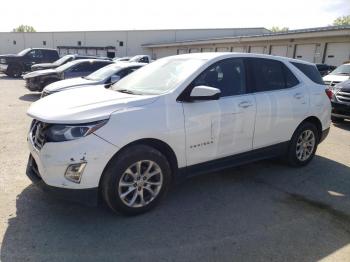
297, 145
337, 119
121, 176
14, 71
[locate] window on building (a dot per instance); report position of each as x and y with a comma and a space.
121, 43
79, 43
227, 75
14, 42
44, 42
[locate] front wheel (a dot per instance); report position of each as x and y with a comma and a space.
303, 145
136, 180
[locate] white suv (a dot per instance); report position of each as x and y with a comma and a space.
176, 117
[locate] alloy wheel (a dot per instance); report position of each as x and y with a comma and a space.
140, 183
305, 145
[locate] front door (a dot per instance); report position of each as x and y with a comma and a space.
224, 127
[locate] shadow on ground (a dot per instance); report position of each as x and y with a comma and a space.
258, 212
343, 125
5, 77
30, 97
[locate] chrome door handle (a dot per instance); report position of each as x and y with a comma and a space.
245, 104
298, 96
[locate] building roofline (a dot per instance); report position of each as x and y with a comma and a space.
242, 37
140, 30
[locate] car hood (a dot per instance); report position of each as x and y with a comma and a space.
84, 105
336, 78
67, 83
39, 73
344, 86
8, 55
44, 65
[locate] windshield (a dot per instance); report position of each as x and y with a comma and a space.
342, 70
159, 77
135, 58
23, 52
103, 73
62, 60
66, 66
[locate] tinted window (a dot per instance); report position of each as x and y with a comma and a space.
51, 54
310, 71
97, 65
268, 74
227, 75
35, 54
144, 60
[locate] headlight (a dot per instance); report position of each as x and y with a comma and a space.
60, 133
3, 61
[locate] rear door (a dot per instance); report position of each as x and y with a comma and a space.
282, 101
224, 127
34, 56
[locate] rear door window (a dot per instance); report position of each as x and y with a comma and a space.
310, 71
268, 75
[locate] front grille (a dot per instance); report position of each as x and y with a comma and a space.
331, 83
343, 96
38, 134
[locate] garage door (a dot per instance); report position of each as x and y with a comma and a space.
279, 50
257, 49
337, 53
306, 52
222, 49
239, 49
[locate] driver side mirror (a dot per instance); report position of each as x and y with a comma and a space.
205, 93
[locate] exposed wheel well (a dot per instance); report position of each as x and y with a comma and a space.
161, 146
314, 120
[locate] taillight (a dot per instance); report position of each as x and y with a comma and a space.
329, 93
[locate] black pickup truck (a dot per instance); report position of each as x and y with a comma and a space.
16, 65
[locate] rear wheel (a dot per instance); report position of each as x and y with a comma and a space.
136, 180
337, 119
303, 145
14, 71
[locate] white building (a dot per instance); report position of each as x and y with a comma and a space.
119, 43
329, 45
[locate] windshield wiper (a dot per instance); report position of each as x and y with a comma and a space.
126, 91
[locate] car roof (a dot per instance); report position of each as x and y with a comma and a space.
125, 64
77, 61
39, 48
216, 55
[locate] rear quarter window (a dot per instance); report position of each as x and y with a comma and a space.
310, 71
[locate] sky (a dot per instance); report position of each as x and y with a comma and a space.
75, 15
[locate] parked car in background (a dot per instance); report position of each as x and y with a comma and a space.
340, 74
340, 98
325, 69
178, 116
141, 59
16, 65
105, 76
37, 80
122, 59
63, 60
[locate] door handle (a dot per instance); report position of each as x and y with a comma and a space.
298, 95
245, 104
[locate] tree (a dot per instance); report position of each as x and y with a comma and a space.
342, 20
24, 28
278, 29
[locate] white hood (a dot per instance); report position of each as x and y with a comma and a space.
39, 73
336, 78
71, 82
83, 105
